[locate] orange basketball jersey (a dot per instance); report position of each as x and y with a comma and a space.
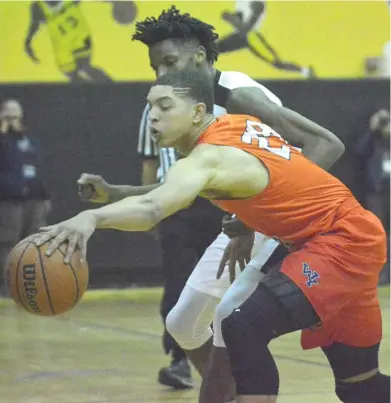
302, 200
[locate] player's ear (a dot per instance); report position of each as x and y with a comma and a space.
199, 112
200, 56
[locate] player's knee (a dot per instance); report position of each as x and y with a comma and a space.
244, 324
252, 364
375, 389
175, 325
188, 331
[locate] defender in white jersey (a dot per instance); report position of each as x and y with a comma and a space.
177, 41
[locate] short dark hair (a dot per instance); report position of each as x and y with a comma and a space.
199, 85
171, 24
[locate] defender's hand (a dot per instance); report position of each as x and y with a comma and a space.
93, 188
76, 231
237, 251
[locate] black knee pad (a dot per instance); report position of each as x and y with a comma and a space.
276, 307
252, 365
373, 390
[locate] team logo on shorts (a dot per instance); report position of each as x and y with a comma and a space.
312, 276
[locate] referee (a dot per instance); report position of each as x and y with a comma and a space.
184, 238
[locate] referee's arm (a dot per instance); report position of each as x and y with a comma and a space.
148, 151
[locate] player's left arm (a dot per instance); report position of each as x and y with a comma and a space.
184, 181
318, 144
36, 18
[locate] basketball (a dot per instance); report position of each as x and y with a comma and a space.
43, 285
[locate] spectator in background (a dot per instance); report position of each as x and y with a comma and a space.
24, 202
373, 151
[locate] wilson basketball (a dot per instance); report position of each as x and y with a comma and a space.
42, 285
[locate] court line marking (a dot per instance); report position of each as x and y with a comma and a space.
152, 336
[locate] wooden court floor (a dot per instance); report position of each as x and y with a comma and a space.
108, 350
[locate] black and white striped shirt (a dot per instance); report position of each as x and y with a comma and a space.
224, 83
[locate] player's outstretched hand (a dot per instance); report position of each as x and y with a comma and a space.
93, 188
237, 251
76, 232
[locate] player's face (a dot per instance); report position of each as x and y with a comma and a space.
172, 114
171, 55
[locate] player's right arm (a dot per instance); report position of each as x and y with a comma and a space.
36, 18
318, 144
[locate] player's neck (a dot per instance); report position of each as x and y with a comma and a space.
186, 145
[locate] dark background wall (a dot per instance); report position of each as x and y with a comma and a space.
94, 128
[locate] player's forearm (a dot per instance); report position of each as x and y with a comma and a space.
120, 192
130, 214
33, 29
318, 144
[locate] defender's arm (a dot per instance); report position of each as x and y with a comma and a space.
318, 144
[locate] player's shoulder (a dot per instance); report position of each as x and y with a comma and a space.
205, 155
233, 121
233, 80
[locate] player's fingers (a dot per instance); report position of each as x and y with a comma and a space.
73, 241
83, 249
57, 241
232, 269
88, 178
45, 236
47, 228
242, 264
223, 263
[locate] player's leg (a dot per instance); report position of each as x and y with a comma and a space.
190, 320
219, 368
178, 260
198, 225
65, 62
232, 42
189, 323
261, 48
354, 353
276, 307
357, 375
83, 61
204, 222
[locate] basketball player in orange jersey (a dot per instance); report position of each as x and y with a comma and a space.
326, 286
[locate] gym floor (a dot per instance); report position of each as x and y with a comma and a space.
108, 350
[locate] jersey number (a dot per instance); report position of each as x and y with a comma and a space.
71, 23
262, 133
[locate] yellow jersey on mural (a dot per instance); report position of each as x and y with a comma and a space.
67, 27
91, 40
70, 37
